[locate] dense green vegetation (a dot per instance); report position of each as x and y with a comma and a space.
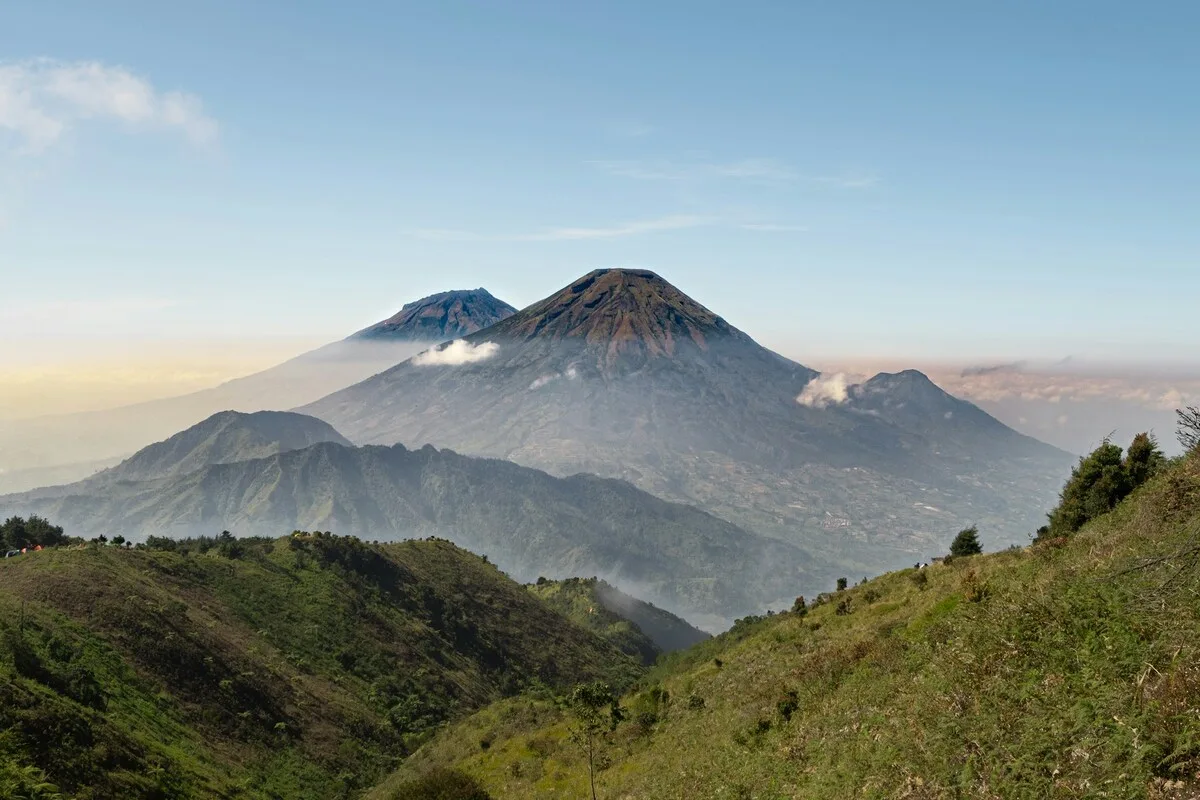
1068, 669
301, 667
1101, 480
636, 628
22, 532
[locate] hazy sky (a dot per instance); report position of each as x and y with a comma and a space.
925, 180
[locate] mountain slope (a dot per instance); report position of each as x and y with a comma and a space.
298, 668
636, 628
66, 442
530, 522
623, 375
1067, 669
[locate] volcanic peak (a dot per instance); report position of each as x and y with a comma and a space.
620, 311
446, 315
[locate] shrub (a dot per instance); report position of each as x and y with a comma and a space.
966, 543
841, 584
800, 607
442, 784
1102, 479
787, 704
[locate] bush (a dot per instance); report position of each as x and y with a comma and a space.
442, 784
966, 543
841, 584
19, 532
1102, 479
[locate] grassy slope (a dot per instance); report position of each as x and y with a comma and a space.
286, 673
636, 628
1068, 670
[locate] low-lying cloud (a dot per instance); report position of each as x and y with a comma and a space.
825, 390
458, 352
42, 98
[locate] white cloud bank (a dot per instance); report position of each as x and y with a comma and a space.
40, 99
458, 352
825, 390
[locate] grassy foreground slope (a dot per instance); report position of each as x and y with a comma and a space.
302, 667
1070, 669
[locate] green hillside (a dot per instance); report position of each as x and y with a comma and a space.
1067, 669
302, 667
636, 628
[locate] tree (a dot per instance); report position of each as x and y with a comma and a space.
118, 540
597, 712
966, 543
1143, 460
841, 584
1188, 431
1096, 485
1101, 480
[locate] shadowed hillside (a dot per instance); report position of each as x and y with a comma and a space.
531, 523
300, 667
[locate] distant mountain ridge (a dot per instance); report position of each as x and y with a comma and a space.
530, 523
224, 438
622, 374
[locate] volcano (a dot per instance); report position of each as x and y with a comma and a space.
442, 316
623, 375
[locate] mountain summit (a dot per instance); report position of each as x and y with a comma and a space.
622, 374
618, 313
442, 316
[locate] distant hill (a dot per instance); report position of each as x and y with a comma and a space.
303, 667
223, 438
64, 448
529, 522
1064, 669
636, 628
622, 374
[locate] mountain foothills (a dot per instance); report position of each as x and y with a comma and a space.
64, 448
635, 627
531, 523
301, 667
623, 375
1067, 668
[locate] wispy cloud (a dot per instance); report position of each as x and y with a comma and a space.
745, 169
80, 311
634, 228
770, 227
852, 180
41, 99
671, 223
749, 169
629, 128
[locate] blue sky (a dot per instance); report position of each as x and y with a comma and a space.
926, 180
